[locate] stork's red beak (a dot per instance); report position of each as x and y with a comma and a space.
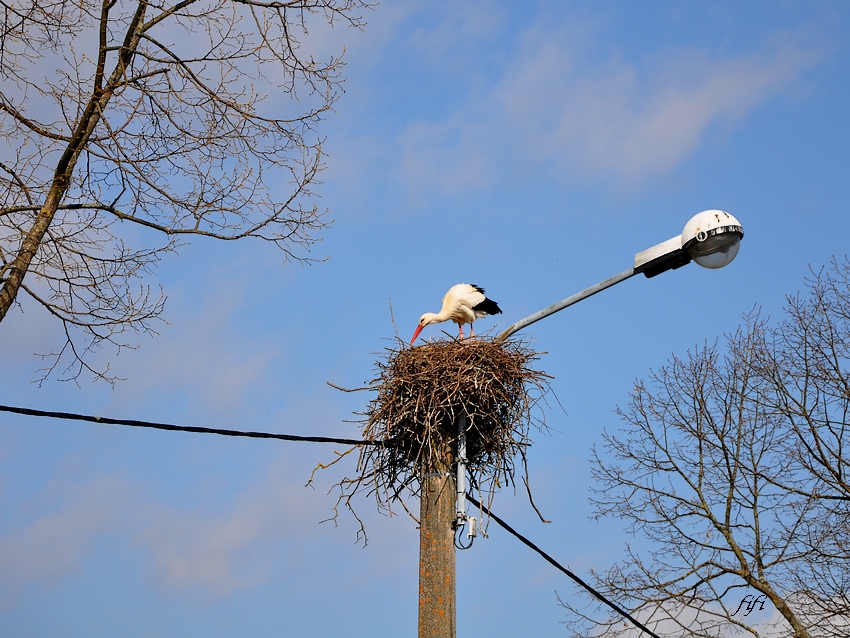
416, 334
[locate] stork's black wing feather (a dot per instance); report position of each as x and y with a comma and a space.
489, 306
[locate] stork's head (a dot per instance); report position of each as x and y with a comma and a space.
424, 320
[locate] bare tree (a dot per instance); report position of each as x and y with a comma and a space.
732, 468
806, 367
132, 125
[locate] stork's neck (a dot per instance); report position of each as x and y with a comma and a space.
436, 317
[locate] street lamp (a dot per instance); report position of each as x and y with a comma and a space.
710, 238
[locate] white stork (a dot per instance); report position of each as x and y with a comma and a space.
463, 303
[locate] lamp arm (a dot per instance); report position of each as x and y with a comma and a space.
569, 301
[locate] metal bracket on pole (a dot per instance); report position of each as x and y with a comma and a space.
569, 301
461, 470
711, 232
461, 518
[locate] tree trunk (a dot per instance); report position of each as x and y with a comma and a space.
77, 143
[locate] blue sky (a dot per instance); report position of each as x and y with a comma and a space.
529, 147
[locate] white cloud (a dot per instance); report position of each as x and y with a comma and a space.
556, 110
230, 548
672, 621
449, 156
455, 40
620, 120
206, 354
52, 545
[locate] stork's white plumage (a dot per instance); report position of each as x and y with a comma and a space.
463, 303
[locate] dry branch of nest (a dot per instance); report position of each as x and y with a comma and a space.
422, 391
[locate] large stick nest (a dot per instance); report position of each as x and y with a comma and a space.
413, 420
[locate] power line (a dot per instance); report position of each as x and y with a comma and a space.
313, 439
183, 428
551, 560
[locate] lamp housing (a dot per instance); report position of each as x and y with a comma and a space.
710, 238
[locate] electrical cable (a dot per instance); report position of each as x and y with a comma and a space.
551, 560
316, 439
183, 428
458, 532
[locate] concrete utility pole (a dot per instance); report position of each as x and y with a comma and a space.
437, 590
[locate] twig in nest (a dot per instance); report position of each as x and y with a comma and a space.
324, 466
392, 318
528, 490
337, 387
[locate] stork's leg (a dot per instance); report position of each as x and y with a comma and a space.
471, 331
460, 327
